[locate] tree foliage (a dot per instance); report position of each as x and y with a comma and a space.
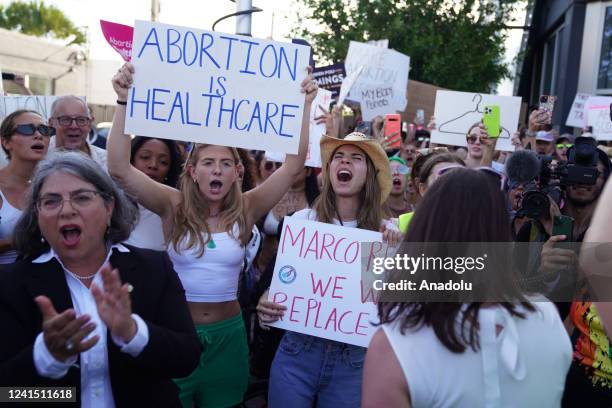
456, 44
38, 19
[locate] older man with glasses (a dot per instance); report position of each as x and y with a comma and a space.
70, 117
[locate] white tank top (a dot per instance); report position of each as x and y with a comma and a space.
148, 233
525, 365
214, 276
9, 216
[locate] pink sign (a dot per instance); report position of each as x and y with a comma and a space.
119, 36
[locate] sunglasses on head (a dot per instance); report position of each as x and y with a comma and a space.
401, 169
562, 145
29, 129
270, 165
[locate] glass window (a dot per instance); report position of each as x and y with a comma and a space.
604, 77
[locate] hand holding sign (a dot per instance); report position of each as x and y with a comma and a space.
268, 312
122, 81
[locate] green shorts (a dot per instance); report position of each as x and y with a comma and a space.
222, 377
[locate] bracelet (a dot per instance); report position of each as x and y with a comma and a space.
124, 103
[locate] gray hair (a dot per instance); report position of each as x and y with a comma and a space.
27, 236
63, 98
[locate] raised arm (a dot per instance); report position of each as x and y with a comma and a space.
261, 199
155, 196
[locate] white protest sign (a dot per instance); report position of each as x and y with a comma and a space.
456, 112
209, 87
576, 117
381, 86
38, 103
379, 43
347, 84
313, 158
599, 119
317, 275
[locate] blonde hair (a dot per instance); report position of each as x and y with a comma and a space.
190, 219
370, 212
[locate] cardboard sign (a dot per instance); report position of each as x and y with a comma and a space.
456, 112
313, 158
119, 37
209, 87
381, 86
577, 117
602, 125
330, 78
38, 103
318, 277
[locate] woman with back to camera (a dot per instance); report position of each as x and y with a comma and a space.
513, 351
356, 182
25, 139
207, 224
161, 161
118, 335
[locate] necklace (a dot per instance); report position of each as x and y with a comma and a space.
88, 277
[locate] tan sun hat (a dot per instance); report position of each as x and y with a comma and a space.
371, 148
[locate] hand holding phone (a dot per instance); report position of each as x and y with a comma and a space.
563, 225
547, 104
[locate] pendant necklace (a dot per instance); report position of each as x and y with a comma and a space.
211, 243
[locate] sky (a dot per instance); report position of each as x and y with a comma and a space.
276, 20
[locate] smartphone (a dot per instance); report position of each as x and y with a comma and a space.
420, 117
392, 130
547, 103
563, 225
491, 120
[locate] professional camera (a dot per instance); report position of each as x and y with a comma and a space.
581, 168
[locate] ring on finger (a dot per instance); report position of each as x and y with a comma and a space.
69, 345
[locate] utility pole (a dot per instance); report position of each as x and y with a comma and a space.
243, 21
155, 7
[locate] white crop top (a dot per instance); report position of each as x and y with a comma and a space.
9, 216
214, 276
270, 226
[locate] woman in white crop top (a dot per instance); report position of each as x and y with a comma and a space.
207, 224
356, 182
25, 146
512, 351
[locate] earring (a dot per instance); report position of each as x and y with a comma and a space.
195, 181
42, 239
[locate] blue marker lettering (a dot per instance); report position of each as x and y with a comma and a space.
268, 117
256, 114
187, 109
221, 91
155, 90
178, 103
153, 33
229, 49
146, 102
204, 49
231, 111
210, 99
189, 34
261, 61
283, 55
173, 44
248, 57
237, 114
286, 115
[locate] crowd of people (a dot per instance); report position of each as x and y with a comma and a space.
140, 273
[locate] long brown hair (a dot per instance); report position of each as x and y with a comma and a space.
7, 128
190, 219
370, 213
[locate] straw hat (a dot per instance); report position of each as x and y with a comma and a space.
372, 149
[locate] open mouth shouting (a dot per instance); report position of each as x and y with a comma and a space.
344, 176
38, 147
216, 186
71, 235
397, 183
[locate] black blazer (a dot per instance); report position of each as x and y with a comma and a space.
173, 350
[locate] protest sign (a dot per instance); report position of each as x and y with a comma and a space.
330, 78
313, 158
38, 103
209, 87
599, 119
576, 117
381, 86
456, 112
317, 275
119, 37
379, 43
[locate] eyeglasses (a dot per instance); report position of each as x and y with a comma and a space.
270, 165
29, 129
562, 145
401, 169
471, 139
79, 120
80, 200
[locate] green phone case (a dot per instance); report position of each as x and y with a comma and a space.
563, 225
491, 120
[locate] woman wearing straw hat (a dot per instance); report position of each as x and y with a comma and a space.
356, 182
